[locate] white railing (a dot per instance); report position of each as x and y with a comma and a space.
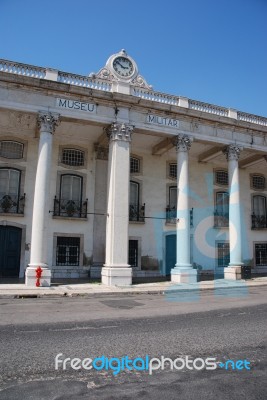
155, 96
103, 85
22, 69
83, 81
253, 119
208, 108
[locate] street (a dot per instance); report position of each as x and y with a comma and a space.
34, 331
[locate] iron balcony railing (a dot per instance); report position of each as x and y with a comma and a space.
221, 219
258, 221
10, 204
137, 212
70, 208
171, 216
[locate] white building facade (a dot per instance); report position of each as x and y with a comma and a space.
101, 176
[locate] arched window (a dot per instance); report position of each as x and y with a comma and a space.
11, 149
221, 177
136, 211
72, 157
259, 217
71, 187
221, 213
258, 182
10, 191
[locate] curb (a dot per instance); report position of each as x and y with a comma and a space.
127, 292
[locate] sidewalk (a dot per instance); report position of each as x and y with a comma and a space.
92, 289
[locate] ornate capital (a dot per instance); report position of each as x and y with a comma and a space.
232, 152
117, 131
47, 121
182, 143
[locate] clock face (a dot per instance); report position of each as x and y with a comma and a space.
123, 66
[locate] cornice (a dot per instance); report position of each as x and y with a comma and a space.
113, 99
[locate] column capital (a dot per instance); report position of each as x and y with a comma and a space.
232, 152
119, 131
182, 143
47, 121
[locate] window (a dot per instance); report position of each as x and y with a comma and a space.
10, 201
11, 149
73, 157
223, 254
221, 212
173, 197
258, 182
70, 202
68, 251
71, 188
259, 219
261, 254
172, 205
133, 253
221, 177
136, 212
134, 165
173, 170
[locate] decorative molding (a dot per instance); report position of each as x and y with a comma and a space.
183, 142
104, 73
47, 121
141, 82
117, 131
232, 152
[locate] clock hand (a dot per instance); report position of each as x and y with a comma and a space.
122, 66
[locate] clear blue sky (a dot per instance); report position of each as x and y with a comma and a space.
209, 50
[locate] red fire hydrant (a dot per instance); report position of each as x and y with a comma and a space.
38, 275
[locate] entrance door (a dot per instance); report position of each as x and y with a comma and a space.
10, 246
170, 253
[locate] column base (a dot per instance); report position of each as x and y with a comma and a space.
183, 275
30, 275
232, 272
116, 276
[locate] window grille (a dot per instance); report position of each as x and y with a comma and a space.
261, 254
133, 253
68, 250
258, 182
134, 165
173, 170
223, 251
221, 178
11, 149
73, 157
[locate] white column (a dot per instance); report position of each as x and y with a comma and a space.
116, 270
233, 271
47, 123
183, 271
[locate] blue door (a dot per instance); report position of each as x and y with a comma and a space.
170, 253
10, 246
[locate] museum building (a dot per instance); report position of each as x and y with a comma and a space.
101, 176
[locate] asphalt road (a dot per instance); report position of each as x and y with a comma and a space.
222, 325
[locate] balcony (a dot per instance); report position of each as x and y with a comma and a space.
10, 204
70, 208
137, 212
258, 221
221, 219
171, 216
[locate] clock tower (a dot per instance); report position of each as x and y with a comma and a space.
122, 71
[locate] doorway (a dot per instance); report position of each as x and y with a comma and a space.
10, 249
